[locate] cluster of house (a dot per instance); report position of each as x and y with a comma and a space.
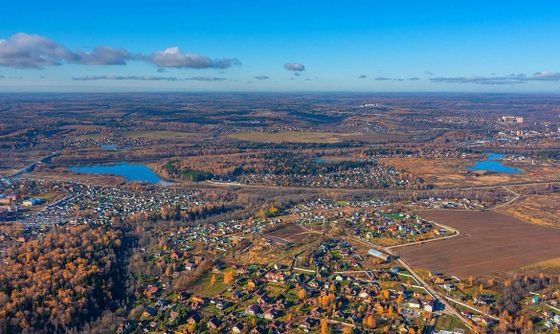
369, 176
549, 308
11, 202
368, 220
439, 203
222, 235
265, 298
97, 205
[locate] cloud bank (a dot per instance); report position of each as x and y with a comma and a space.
145, 78
174, 57
24, 51
499, 80
125, 77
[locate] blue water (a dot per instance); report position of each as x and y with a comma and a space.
130, 172
109, 147
493, 163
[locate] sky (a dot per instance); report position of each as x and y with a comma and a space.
376, 46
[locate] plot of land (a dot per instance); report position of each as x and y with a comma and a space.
538, 209
175, 135
290, 137
489, 242
289, 232
453, 172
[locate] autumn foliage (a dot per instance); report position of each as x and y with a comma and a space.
60, 281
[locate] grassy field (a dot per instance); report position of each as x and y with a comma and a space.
446, 172
549, 266
447, 322
539, 209
204, 286
290, 137
49, 196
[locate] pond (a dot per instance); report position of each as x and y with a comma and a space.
493, 163
109, 147
130, 172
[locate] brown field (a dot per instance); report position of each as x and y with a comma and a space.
489, 242
290, 137
538, 209
290, 232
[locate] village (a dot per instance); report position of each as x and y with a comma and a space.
333, 289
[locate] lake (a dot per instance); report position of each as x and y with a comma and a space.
493, 163
130, 172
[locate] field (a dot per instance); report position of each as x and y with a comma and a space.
550, 266
538, 209
290, 137
170, 135
489, 242
287, 231
453, 172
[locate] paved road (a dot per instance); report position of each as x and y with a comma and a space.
448, 308
466, 187
31, 166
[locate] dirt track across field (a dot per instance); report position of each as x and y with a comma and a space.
489, 242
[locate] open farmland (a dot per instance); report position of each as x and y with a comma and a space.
489, 242
538, 209
290, 137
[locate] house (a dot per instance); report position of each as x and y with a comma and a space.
183, 295
176, 255
189, 266
414, 304
194, 318
7, 199
213, 323
253, 309
272, 314
151, 291
274, 276
364, 294
429, 306
32, 202
149, 312
173, 316
379, 255
221, 304
237, 328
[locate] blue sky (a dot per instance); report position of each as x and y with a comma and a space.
494, 46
